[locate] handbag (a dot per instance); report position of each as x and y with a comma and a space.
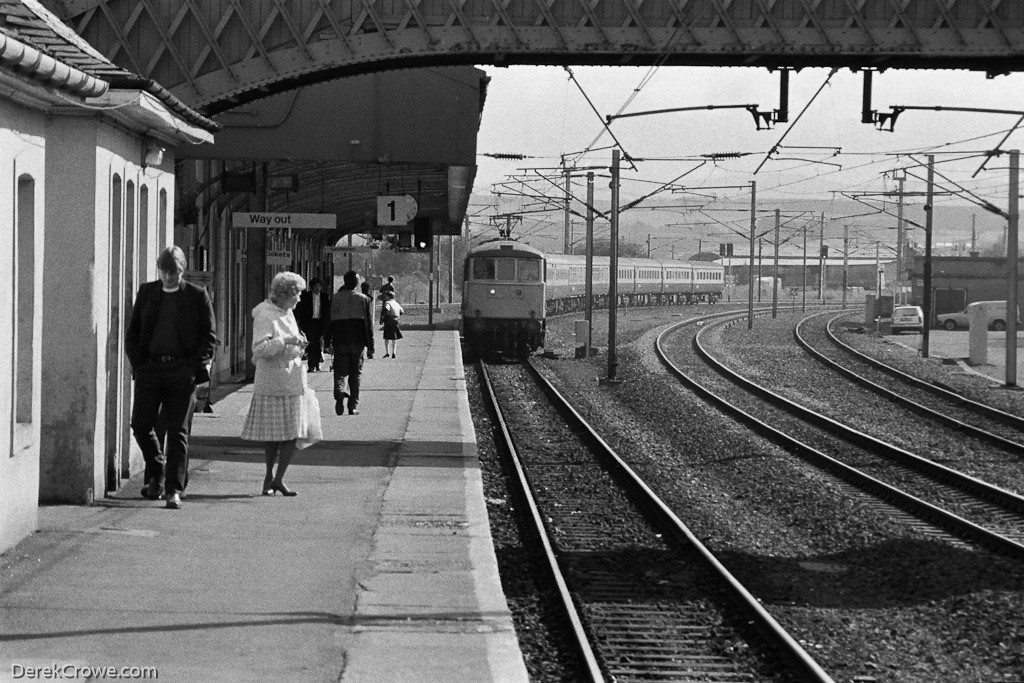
311, 429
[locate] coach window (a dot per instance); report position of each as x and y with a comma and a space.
529, 271
483, 269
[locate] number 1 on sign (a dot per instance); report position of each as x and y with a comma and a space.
391, 205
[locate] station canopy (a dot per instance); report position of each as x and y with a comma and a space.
335, 147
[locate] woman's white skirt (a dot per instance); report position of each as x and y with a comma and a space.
274, 418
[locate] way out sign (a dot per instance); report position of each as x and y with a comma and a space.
396, 209
296, 221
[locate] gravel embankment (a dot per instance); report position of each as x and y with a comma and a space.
871, 599
769, 356
945, 373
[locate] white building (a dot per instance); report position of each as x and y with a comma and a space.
86, 158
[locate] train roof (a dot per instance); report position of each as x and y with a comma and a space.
566, 259
506, 248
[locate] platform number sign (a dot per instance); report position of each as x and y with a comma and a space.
396, 209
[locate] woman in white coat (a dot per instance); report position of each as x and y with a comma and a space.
276, 414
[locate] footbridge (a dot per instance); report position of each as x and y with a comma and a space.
216, 54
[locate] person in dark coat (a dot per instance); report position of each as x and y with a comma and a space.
169, 344
312, 314
351, 334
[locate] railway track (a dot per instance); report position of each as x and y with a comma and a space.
932, 402
648, 601
937, 497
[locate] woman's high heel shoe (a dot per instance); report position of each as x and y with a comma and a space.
268, 486
284, 490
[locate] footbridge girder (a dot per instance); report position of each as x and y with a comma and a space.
215, 54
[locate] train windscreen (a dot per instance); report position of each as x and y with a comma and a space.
483, 269
529, 271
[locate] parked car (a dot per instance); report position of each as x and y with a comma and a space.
907, 319
953, 321
995, 316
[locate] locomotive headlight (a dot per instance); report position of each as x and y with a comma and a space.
491, 292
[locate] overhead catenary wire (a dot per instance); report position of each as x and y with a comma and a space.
783, 180
972, 197
775, 147
625, 154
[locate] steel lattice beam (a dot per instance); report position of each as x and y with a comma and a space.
216, 53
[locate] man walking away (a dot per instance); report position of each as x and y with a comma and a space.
311, 314
169, 344
351, 332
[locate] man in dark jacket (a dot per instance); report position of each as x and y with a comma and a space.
312, 313
169, 344
351, 332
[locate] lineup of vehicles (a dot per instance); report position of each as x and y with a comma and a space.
510, 288
992, 313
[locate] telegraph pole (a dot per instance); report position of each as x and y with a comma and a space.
588, 288
900, 238
430, 284
846, 261
821, 260
775, 269
926, 304
750, 265
613, 268
760, 253
804, 275
1012, 242
878, 285
568, 230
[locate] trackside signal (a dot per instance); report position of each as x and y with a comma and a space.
422, 233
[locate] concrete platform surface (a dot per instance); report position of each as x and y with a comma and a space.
381, 569
955, 345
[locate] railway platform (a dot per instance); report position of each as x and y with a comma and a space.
380, 569
954, 346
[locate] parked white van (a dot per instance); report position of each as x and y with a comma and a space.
995, 316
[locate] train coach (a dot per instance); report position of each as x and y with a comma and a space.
641, 282
510, 288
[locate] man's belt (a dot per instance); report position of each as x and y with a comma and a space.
166, 359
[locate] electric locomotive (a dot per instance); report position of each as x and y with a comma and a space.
503, 295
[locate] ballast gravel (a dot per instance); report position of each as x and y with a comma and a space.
868, 597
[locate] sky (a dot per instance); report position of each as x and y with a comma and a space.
823, 151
